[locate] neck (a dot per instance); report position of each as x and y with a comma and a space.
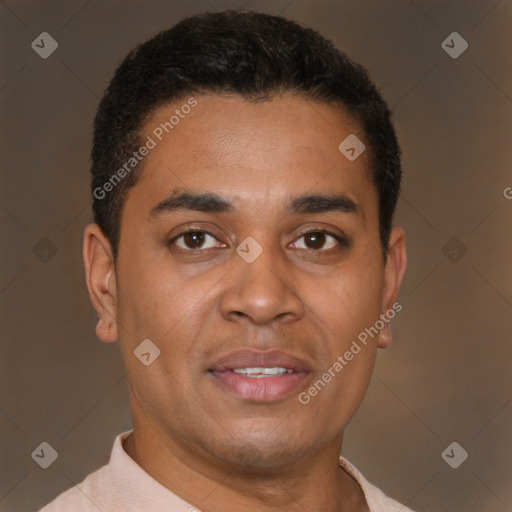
316, 484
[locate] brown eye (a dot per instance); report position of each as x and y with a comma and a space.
319, 240
315, 240
193, 240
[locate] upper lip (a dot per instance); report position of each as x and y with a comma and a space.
249, 358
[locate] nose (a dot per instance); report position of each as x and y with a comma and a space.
263, 291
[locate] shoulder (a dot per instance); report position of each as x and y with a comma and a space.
87, 496
376, 499
99, 490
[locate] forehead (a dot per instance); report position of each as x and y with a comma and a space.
255, 153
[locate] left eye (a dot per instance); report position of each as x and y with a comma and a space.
316, 240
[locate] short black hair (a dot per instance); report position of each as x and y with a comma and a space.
251, 54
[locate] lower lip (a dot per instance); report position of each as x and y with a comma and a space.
263, 389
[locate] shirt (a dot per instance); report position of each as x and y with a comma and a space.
123, 486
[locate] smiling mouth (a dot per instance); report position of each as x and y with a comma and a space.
260, 384
258, 373
260, 376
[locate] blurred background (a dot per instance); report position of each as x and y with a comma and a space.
447, 376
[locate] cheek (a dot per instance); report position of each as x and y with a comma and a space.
145, 303
154, 304
158, 302
347, 302
335, 394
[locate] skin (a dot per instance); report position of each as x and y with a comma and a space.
209, 446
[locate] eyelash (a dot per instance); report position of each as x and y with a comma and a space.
343, 242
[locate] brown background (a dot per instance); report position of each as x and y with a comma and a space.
447, 376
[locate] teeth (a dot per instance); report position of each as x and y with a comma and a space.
262, 372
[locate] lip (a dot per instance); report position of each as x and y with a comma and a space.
267, 389
248, 358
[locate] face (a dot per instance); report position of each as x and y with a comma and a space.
249, 255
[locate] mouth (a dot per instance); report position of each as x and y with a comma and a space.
258, 373
260, 376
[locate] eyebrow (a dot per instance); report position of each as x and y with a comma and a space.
213, 203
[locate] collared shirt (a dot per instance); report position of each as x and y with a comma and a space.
123, 486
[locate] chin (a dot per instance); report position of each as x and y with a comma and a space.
253, 453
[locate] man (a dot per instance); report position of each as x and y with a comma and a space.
245, 175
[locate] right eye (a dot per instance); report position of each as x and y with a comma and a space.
194, 240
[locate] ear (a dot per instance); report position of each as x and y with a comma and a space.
101, 281
394, 271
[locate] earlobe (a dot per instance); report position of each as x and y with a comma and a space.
394, 271
104, 331
385, 337
101, 282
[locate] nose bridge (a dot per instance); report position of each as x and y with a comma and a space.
260, 286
